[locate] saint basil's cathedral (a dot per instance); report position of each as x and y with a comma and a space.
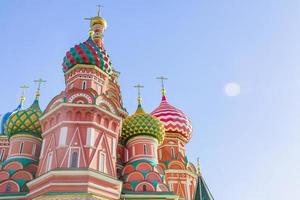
85, 145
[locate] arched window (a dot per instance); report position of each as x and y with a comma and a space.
84, 85
74, 159
8, 187
145, 149
144, 188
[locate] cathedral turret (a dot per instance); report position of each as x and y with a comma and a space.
171, 153
23, 129
142, 133
81, 125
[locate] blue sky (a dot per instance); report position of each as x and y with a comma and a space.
249, 144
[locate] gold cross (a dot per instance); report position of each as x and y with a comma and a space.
162, 78
22, 98
39, 82
139, 87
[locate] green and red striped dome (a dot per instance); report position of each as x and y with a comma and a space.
88, 53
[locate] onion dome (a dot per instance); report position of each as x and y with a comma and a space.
88, 53
175, 121
5, 117
141, 123
25, 121
8, 114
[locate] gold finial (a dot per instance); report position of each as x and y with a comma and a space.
39, 82
22, 98
198, 166
96, 20
163, 90
139, 98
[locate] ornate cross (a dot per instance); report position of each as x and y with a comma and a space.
23, 88
162, 78
139, 87
39, 82
22, 98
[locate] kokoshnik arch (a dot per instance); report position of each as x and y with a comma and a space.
85, 146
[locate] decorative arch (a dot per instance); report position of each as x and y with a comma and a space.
153, 176
3, 175
144, 187
14, 187
107, 105
176, 165
144, 166
135, 176
127, 169
14, 165
22, 174
80, 97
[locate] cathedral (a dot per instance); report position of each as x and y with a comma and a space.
86, 146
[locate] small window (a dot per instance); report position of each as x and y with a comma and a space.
8, 187
74, 159
33, 149
90, 134
63, 136
84, 85
144, 188
49, 161
145, 149
21, 147
172, 153
102, 159
160, 154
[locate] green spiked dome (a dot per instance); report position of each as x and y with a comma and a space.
141, 123
25, 121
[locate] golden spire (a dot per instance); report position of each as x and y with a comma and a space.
198, 166
39, 82
139, 98
22, 98
163, 90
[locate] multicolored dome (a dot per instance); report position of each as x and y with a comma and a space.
5, 118
88, 53
25, 121
175, 120
141, 123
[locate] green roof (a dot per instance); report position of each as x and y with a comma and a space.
23, 161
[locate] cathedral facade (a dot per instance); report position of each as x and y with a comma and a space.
85, 145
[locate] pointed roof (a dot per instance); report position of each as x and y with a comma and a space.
202, 191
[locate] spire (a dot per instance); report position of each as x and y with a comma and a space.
163, 90
39, 82
22, 97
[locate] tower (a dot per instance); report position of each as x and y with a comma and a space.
181, 175
23, 129
142, 176
81, 125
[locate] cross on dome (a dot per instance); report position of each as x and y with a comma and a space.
39, 82
139, 98
22, 98
163, 90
